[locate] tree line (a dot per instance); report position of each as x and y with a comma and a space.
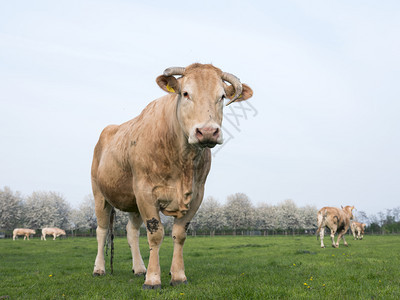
237, 216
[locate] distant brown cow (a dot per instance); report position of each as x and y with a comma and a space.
55, 232
23, 231
358, 230
337, 220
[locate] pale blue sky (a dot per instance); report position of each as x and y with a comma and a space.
324, 74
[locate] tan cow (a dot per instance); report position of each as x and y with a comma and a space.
55, 232
159, 161
337, 220
358, 230
23, 231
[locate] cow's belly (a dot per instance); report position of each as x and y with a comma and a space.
116, 187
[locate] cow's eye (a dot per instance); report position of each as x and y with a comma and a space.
222, 98
186, 95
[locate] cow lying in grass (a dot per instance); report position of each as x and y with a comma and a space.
358, 230
55, 232
23, 231
337, 220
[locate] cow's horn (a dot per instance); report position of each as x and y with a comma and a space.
232, 79
174, 71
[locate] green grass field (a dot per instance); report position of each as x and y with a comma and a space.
217, 268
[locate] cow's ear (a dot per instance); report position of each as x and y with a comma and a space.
169, 84
247, 92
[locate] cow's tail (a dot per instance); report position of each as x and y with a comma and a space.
110, 239
320, 221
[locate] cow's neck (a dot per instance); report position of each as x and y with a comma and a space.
183, 162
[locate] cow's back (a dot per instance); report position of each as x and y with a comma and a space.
330, 211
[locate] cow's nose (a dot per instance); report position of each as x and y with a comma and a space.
207, 134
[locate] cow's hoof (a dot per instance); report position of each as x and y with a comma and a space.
99, 273
151, 287
322, 247
139, 274
177, 282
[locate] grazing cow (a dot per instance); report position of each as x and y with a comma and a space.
337, 220
159, 161
358, 230
55, 232
23, 231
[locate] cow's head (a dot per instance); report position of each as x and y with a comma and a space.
349, 211
201, 91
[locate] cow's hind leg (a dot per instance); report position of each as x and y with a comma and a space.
321, 236
103, 211
133, 233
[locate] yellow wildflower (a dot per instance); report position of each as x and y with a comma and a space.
50, 275
305, 283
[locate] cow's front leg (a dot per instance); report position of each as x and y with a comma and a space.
177, 266
179, 236
133, 233
340, 236
54, 237
155, 235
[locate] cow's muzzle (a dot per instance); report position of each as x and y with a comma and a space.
207, 136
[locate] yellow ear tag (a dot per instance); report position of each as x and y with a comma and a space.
240, 96
170, 89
